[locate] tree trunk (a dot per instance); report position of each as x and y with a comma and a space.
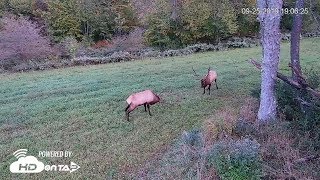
295, 51
270, 41
295, 42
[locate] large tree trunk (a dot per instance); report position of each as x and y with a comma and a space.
270, 40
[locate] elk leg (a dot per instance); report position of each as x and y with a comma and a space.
127, 108
204, 90
216, 83
145, 107
209, 88
149, 109
127, 113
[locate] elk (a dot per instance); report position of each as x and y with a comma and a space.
145, 98
208, 79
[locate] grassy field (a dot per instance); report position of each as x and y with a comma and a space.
81, 109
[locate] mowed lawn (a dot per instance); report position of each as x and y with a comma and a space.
81, 109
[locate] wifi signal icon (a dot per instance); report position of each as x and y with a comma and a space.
20, 153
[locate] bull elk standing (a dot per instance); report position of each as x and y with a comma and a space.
208, 79
145, 98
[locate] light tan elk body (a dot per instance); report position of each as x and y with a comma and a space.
145, 98
208, 79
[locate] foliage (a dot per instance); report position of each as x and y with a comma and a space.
126, 16
144, 7
311, 18
237, 160
69, 47
98, 19
247, 23
24, 7
129, 42
122, 48
196, 21
95, 19
159, 32
2, 8
303, 113
20, 41
63, 18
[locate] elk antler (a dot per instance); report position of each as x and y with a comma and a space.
195, 72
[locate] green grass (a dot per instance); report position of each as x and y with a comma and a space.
81, 109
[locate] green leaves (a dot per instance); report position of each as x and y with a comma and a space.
64, 20
195, 21
95, 19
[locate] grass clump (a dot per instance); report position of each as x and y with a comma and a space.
236, 160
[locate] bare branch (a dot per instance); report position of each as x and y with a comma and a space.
305, 103
306, 159
290, 81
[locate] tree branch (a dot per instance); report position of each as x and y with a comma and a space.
306, 159
290, 81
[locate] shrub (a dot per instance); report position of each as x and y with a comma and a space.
303, 113
238, 160
160, 31
133, 41
68, 48
20, 41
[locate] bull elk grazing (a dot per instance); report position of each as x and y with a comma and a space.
145, 98
208, 79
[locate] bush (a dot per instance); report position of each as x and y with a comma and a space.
68, 48
238, 160
131, 42
20, 41
303, 113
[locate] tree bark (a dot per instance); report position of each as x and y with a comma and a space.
270, 41
295, 43
295, 51
290, 81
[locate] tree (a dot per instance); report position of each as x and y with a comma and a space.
295, 42
63, 19
18, 6
94, 19
20, 40
98, 19
297, 81
180, 22
270, 40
